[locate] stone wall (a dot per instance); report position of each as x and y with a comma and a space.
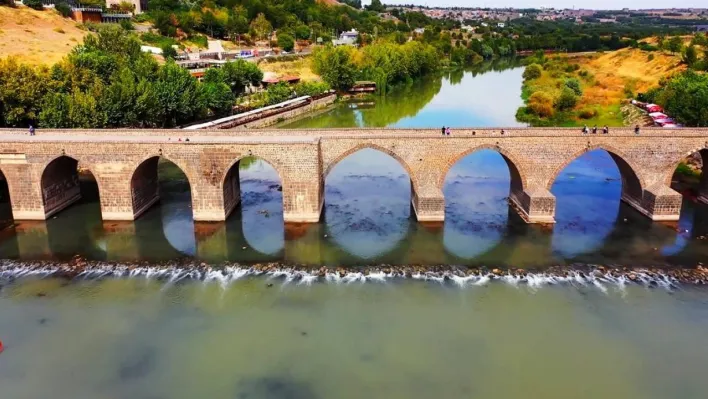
124, 163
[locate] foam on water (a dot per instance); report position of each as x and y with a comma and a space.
596, 278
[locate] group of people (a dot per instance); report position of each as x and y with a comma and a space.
445, 131
605, 129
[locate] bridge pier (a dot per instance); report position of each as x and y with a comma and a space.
428, 205
658, 203
302, 200
534, 205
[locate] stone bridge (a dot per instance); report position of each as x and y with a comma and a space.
41, 171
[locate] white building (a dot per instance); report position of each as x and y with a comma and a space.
347, 38
467, 28
501, 25
419, 31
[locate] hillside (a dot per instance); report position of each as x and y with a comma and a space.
618, 72
37, 37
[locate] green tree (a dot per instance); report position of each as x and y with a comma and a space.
376, 6
261, 27
218, 97
286, 42
178, 97
240, 74
685, 98
566, 100
335, 65
277, 93
574, 84
675, 44
35, 4
532, 71
237, 24
690, 56
302, 32
21, 91
63, 9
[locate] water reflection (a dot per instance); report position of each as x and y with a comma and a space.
367, 203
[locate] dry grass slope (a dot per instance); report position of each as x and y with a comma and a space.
36, 37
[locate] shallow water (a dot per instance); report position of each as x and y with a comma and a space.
142, 338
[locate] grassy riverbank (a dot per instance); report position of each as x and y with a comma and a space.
590, 89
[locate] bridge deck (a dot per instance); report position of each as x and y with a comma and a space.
286, 135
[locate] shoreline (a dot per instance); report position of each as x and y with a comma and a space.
584, 274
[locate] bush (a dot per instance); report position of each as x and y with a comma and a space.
169, 52
566, 100
199, 40
574, 85
541, 104
311, 88
126, 24
35, 4
587, 113
532, 71
278, 93
286, 42
650, 57
63, 9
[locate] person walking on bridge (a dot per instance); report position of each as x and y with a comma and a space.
31, 130
443, 130
447, 131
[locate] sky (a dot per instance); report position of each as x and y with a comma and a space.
594, 4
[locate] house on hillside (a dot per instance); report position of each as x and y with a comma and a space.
348, 38
701, 28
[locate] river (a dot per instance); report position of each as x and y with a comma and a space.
225, 331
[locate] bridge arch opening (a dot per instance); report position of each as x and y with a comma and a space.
159, 180
65, 182
256, 185
689, 176
367, 197
5, 202
589, 190
477, 186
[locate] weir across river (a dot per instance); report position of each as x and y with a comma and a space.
42, 178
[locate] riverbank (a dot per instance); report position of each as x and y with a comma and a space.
600, 82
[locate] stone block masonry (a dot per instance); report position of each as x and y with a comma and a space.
41, 170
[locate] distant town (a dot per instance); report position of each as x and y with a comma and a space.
578, 15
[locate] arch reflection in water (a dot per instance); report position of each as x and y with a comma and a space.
261, 211
367, 203
476, 208
175, 207
588, 193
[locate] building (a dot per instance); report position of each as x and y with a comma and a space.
701, 28
348, 38
419, 31
467, 28
501, 25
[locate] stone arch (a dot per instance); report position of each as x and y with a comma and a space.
517, 175
59, 183
144, 187
5, 213
632, 184
703, 151
387, 151
231, 186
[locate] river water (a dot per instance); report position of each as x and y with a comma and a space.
226, 333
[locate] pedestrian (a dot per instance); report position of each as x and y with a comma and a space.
605, 130
187, 139
594, 129
31, 130
447, 131
636, 129
443, 130
585, 129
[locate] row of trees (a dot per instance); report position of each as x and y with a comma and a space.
257, 19
384, 62
684, 97
108, 82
